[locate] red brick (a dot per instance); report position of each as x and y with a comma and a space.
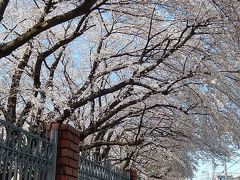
65, 170
73, 163
59, 152
76, 156
62, 161
71, 129
133, 174
63, 143
74, 147
75, 172
76, 139
67, 135
61, 177
67, 153
65, 127
71, 178
65, 177
77, 133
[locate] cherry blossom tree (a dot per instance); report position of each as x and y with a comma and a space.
149, 83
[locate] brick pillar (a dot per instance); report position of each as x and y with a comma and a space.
133, 174
67, 151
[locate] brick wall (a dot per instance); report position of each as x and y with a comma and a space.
133, 174
67, 151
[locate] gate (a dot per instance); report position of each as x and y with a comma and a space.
25, 155
91, 169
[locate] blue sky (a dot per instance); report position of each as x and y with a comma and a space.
205, 171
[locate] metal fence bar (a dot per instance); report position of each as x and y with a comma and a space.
90, 169
26, 155
54, 140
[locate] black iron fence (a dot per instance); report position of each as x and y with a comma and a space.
91, 168
24, 154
